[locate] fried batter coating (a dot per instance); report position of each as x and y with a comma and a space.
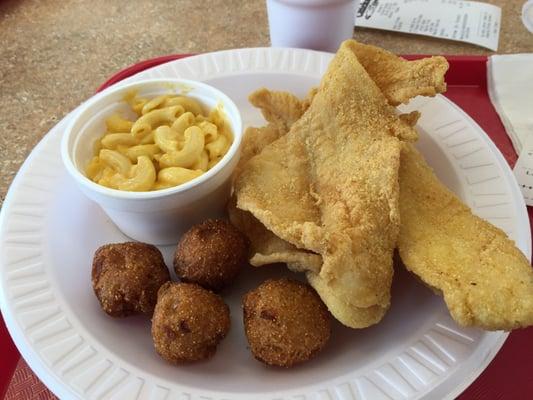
485, 279
281, 110
285, 322
330, 186
401, 80
267, 248
414, 173
211, 254
127, 276
188, 323
266, 244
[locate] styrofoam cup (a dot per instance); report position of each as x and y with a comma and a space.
160, 216
311, 24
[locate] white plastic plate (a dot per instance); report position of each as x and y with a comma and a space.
49, 231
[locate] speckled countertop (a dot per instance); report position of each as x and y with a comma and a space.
53, 54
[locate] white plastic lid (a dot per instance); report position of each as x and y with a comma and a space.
527, 15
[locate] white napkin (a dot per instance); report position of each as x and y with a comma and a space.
510, 84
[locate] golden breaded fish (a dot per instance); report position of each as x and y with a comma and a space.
486, 282
424, 203
330, 187
485, 279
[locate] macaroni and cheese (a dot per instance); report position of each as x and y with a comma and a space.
171, 142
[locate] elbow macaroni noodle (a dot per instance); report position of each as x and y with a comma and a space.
170, 143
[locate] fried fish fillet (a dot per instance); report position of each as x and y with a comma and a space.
496, 293
485, 279
330, 186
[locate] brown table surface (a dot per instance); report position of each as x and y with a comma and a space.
53, 54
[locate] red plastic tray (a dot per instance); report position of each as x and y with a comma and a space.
510, 374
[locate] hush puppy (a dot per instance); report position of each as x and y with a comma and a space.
188, 322
127, 276
285, 322
210, 254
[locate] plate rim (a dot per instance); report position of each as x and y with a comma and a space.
17, 333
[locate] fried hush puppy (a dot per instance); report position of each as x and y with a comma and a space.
188, 322
285, 322
127, 276
210, 254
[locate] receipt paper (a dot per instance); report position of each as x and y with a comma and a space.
465, 21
